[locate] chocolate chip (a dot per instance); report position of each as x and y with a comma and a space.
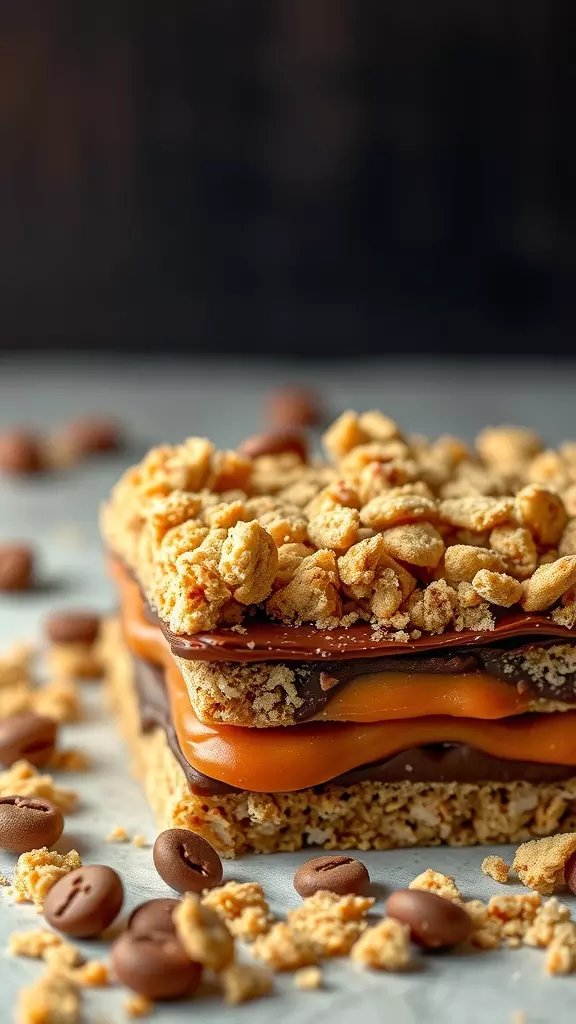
186, 861
69, 627
294, 407
20, 453
16, 567
27, 736
275, 443
28, 823
435, 922
92, 434
155, 965
85, 901
337, 873
153, 916
570, 873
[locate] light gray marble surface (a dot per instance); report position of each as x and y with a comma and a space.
58, 515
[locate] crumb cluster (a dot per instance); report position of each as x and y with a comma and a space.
37, 871
58, 699
407, 534
24, 779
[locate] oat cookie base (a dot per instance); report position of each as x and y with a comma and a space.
369, 815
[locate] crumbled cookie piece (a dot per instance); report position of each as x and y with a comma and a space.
284, 949
497, 588
138, 1006
332, 923
117, 835
477, 512
516, 547
543, 513
308, 979
59, 699
203, 934
385, 946
38, 870
540, 863
25, 780
248, 562
435, 881
243, 907
15, 665
432, 609
75, 661
417, 544
92, 974
463, 561
336, 529
397, 510
39, 942
69, 761
545, 924
344, 434
548, 583
139, 841
243, 982
496, 868
312, 594
53, 999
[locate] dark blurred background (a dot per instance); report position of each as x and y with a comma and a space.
287, 177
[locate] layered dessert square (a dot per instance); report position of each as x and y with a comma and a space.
373, 650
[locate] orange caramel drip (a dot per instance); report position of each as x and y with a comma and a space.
297, 757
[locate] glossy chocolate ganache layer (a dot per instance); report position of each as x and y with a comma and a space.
441, 762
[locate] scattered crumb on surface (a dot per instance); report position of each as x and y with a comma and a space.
540, 863
38, 870
282, 949
243, 982
138, 1006
308, 978
4, 880
139, 841
518, 1017
243, 906
117, 835
496, 868
438, 883
203, 934
53, 999
385, 947
39, 943
24, 779
69, 761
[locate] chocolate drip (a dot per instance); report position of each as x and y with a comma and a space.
441, 762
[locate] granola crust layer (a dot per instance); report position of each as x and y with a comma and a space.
369, 815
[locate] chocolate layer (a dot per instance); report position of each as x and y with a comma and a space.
441, 762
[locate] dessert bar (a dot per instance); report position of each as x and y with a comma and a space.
373, 650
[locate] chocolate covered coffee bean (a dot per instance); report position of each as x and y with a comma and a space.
336, 873
153, 916
29, 737
72, 627
155, 966
84, 902
28, 823
434, 922
186, 861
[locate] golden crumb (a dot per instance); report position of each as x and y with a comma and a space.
436, 882
38, 870
497, 587
117, 835
59, 699
540, 863
243, 907
518, 1017
4, 880
496, 868
92, 974
384, 947
53, 999
75, 661
139, 841
16, 666
69, 761
203, 934
284, 949
25, 780
138, 1006
332, 923
39, 942
308, 979
243, 982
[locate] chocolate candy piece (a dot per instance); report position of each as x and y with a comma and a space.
20, 453
570, 873
28, 823
92, 434
16, 567
435, 923
275, 442
155, 965
69, 627
153, 916
186, 861
335, 873
84, 902
27, 736
294, 407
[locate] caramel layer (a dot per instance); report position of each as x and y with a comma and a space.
373, 697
